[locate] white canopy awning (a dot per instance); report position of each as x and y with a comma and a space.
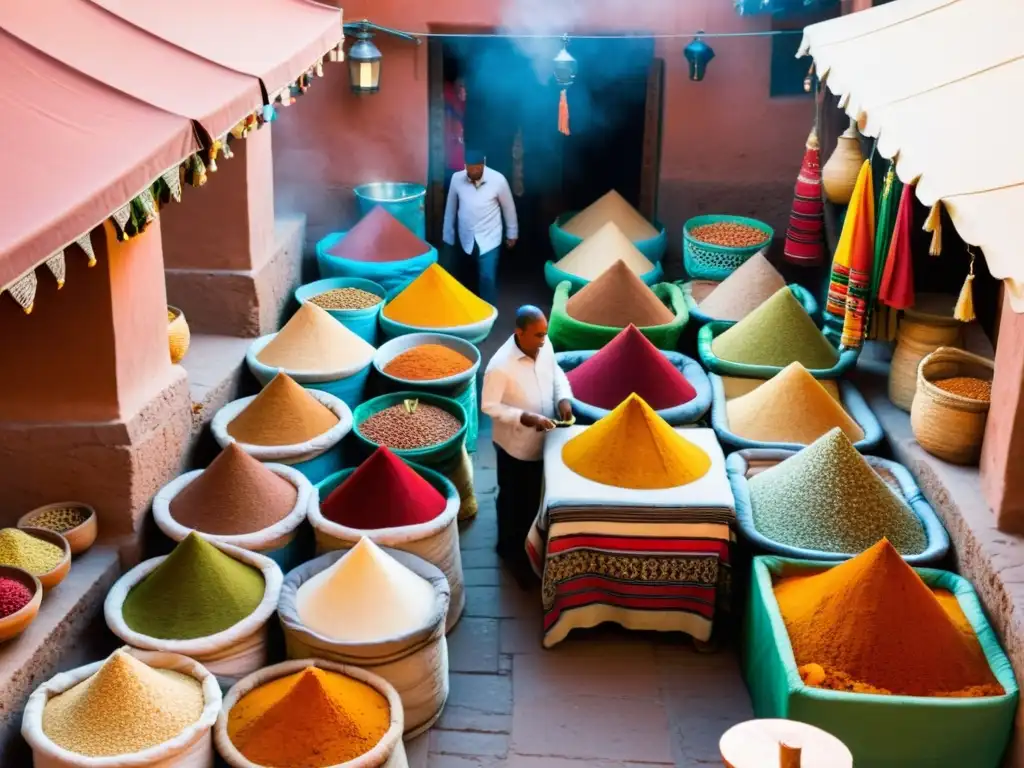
939, 83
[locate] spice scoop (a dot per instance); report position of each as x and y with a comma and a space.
568, 423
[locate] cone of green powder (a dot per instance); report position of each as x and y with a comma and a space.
207, 600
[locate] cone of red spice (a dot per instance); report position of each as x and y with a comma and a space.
379, 236
235, 495
630, 363
384, 492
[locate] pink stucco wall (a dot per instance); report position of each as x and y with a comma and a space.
727, 146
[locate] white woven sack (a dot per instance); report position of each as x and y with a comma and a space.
416, 664
390, 750
192, 748
276, 536
436, 542
301, 377
230, 654
286, 454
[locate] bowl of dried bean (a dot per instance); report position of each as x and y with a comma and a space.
352, 301
21, 594
714, 246
73, 520
418, 426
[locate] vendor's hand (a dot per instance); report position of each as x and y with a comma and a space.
564, 410
511, 243
538, 422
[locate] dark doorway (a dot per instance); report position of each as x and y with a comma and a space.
511, 112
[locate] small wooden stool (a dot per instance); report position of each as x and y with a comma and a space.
782, 744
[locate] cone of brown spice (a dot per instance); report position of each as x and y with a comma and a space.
235, 495
379, 237
744, 290
617, 298
282, 414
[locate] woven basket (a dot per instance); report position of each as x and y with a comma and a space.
705, 261
178, 335
948, 425
919, 335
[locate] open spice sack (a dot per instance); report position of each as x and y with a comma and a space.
572, 228
312, 712
380, 609
206, 600
239, 501
436, 301
597, 253
397, 505
134, 709
316, 351
287, 424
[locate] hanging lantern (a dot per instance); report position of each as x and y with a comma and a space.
698, 54
364, 63
565, 68
839, 174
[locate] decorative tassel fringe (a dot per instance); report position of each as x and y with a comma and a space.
24, 291
812, 139
85, 243
933, 224
964, 311
58, 268
563, 114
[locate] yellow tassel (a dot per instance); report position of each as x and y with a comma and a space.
964, 311
563, 114
933, 224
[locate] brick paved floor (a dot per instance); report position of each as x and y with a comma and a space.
605, 698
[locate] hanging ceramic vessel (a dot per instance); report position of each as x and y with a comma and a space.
839, 175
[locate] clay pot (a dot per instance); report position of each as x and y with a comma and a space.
839, 174
178, 335
79, 538
55, 575
13, 625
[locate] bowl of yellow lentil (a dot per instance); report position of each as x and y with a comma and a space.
17, 585
44, 554
73, 520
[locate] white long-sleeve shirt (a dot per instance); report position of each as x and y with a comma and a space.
514, 383
479, 209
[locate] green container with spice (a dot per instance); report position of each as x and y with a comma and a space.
443, 451
881, 731
570, 335
711, 261
847, 358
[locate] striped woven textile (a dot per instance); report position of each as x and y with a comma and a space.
644, 568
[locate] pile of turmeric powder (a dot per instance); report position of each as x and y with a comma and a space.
871, 625
309, 719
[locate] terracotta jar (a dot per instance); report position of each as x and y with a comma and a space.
839, 174
923, 329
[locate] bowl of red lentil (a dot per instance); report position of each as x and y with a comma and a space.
21, 594
950, 408
55, 569
73, 520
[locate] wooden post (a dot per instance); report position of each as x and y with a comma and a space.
1001, 481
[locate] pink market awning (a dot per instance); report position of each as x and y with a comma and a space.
274, 40
104, 46
73, 152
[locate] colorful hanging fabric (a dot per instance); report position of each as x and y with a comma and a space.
882, 320
850, 283
897, 288
805, 242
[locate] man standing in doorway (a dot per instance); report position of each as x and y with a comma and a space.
478, 199
524, 391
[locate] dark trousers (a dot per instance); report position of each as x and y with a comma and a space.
519, 489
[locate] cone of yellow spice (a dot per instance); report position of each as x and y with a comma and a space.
633, 447
310, 719
435, 299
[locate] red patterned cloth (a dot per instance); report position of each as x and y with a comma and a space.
897, 289
805, 240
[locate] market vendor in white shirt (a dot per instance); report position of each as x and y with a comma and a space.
478, 198
524, 392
